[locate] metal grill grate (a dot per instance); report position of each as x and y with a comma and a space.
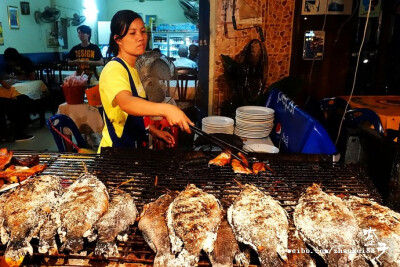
173, 170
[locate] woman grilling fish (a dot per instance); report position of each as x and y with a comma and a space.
122, 94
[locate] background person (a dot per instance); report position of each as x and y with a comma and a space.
121, 91
16, 110
194, 53
18, 66
183, 61
85, 55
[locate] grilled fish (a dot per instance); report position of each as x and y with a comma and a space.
83, 203
377, 224
221, 160
327, 225
239, 168
226, 248
260, 222
25, 211
120, 215
193, 219
258, 167
153, 225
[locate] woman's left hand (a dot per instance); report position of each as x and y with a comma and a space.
163, 135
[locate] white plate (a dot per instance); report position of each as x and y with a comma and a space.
261, 148
255, 110
217, 120
10, 186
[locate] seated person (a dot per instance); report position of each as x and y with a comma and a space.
17, 66
193, 53
16, 110
183, 61
85, 55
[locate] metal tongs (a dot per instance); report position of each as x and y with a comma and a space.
221, 143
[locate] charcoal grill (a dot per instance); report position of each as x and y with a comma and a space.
153, 173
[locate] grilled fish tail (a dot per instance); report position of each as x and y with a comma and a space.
16, 251
106, 248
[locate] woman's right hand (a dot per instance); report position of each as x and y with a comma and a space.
175, 116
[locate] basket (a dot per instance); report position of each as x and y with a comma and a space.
74, 94
93, 96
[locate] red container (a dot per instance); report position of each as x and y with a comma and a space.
74, 94
93, 96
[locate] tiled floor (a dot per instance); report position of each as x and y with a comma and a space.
43, 140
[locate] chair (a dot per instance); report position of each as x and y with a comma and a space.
59, 122
184, 76
364, 117
333, 109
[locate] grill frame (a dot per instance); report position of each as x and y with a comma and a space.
175, 169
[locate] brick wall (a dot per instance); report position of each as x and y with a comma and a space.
277, 17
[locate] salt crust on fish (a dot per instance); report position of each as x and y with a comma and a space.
193, 219
83, 203
260, 222
326, 224
27, 208
383, 224
121, 214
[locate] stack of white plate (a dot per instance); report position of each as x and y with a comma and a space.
254, 121
217, 124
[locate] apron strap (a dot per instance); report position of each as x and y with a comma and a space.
134, 133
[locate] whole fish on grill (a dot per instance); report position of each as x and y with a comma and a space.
154, 229
193, 219
121, 214
26, 210
260, 222
328, 226
380, 227
80, 207
226, 248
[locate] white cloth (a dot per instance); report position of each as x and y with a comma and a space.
32, 89
184, 62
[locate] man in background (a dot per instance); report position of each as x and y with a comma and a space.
193, 53
183, 61
85, 55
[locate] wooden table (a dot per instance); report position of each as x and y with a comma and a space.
32, 89
386, 106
